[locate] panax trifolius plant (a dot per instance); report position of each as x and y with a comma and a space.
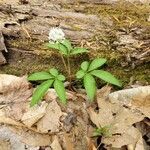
88, 72
57, 41
53, 78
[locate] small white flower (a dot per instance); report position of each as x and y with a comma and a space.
56, 34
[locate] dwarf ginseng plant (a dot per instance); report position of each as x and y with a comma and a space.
64, 47
88, 72
53, 78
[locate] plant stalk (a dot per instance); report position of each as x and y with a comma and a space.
64, 63
69, 69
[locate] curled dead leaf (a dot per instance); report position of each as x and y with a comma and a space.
55, 144
90, 144
33, 114
31, 138
15, 92
51, 120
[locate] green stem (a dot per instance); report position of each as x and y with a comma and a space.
63, 60
69, 69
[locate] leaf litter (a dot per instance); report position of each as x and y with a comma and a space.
118, 110
50, 125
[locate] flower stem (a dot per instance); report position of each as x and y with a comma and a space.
64, 63
69, 69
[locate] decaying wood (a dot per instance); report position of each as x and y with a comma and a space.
32, 20
2, 59
2, 48
38, 20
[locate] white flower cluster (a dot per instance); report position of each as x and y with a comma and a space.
56, 34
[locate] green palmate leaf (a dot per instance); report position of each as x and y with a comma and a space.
40, 76
53, 45
63, 49
61, 77
67, 44
78, 50
106, 76
40, 91
85, 65
96, 63
80, 74
90, 86
60, 90
54, 72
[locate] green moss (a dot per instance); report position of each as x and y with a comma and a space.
27, 44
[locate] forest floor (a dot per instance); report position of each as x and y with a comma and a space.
117, 31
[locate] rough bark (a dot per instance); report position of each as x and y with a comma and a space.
32, 20
2, 48
36, 19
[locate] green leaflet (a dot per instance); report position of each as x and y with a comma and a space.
59, 46
53, 45
60, 90
80, 74
90, 86
40, 91
63, 49
54, 72
78, 50
67, 44
96, 63
61, 77
85, 65
40, 76
106, 76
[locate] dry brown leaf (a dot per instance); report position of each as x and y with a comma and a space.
6, 120
51, 121
124, 119
5, 145
34, 114
139, 144
105, 109
99, 119
116, 114
90, 144
32, 138
52, 95
15, 92
68, 144
16, 110
14, 89
135, 98
55, 144
126, 96
142, 102
119, 118
131, 137
102, 95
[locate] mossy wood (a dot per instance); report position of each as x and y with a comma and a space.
119, 32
